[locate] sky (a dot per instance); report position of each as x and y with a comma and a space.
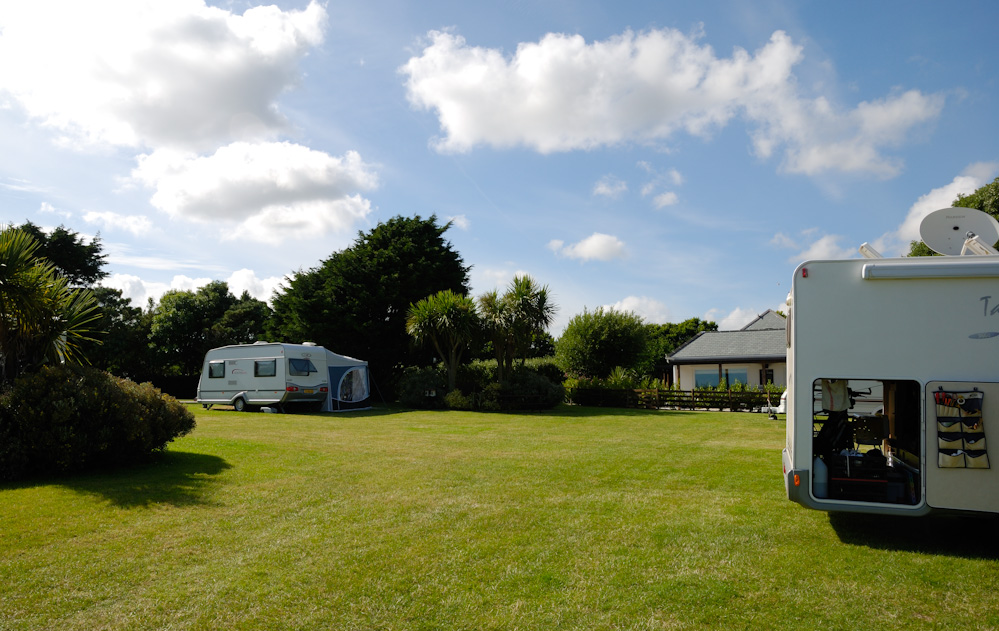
673, 159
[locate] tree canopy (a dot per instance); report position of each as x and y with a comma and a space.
596, 342
663, 339
81, 263
356, 301
186, 325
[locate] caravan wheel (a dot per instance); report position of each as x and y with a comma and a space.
239, 404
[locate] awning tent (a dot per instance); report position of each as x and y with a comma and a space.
349, 383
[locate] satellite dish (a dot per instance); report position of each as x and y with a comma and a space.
945, 230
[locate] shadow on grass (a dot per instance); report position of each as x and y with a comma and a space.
966, 536
173, 478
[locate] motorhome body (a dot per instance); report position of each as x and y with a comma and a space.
264, 374
918, 340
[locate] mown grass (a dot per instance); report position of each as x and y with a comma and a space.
575, 519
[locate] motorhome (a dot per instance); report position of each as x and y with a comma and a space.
893, 380
248, 376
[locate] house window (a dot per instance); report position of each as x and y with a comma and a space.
739, 375
301, 367
706, 378
216, 370
767, 376
265, 368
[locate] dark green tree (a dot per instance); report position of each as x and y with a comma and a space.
357, 300
985, 198
186, 325
123, 348
663, 339
245, 321
79, 262
596, 342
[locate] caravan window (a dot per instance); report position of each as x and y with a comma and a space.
216, 370
265, 368
300, 367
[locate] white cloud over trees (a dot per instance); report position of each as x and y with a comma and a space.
266, 191
195, 89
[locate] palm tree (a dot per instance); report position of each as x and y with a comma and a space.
534, 313
515, 318
41, 317
448, 320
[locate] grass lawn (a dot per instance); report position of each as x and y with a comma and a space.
578, 518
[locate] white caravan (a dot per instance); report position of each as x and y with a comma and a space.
247, 376
893, 376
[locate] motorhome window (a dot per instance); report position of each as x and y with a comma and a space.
301, 367
265, 368
216, 370
866, 434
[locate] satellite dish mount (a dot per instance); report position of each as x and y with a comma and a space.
957, 231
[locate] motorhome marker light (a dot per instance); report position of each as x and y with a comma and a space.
804, 272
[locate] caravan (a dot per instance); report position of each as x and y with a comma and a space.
248, 376
893, 385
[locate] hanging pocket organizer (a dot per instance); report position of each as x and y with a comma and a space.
960, 432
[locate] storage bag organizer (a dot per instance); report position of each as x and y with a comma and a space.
960, 432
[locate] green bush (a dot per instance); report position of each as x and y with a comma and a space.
70, 418
524, 389
456, 400
547, 368
423, 388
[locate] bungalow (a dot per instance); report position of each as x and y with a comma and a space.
754, 355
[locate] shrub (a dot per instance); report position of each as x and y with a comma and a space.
456, 400
524, 389
423, 388
594, 342
547, 368
70, 418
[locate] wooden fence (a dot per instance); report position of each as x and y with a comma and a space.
674, 399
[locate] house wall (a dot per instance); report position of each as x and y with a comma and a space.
685, 375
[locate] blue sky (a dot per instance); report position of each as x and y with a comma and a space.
675, 159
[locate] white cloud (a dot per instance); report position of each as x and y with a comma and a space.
135, 224
148, 73
597, 246
975, 176
563, 94
650, 309
266, 191
139, 291
663, 200
260, 288
487, 279
824, 247
49, 209
734, 320
460, 221
610, 186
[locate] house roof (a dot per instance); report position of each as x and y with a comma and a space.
763, 339
769, 319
